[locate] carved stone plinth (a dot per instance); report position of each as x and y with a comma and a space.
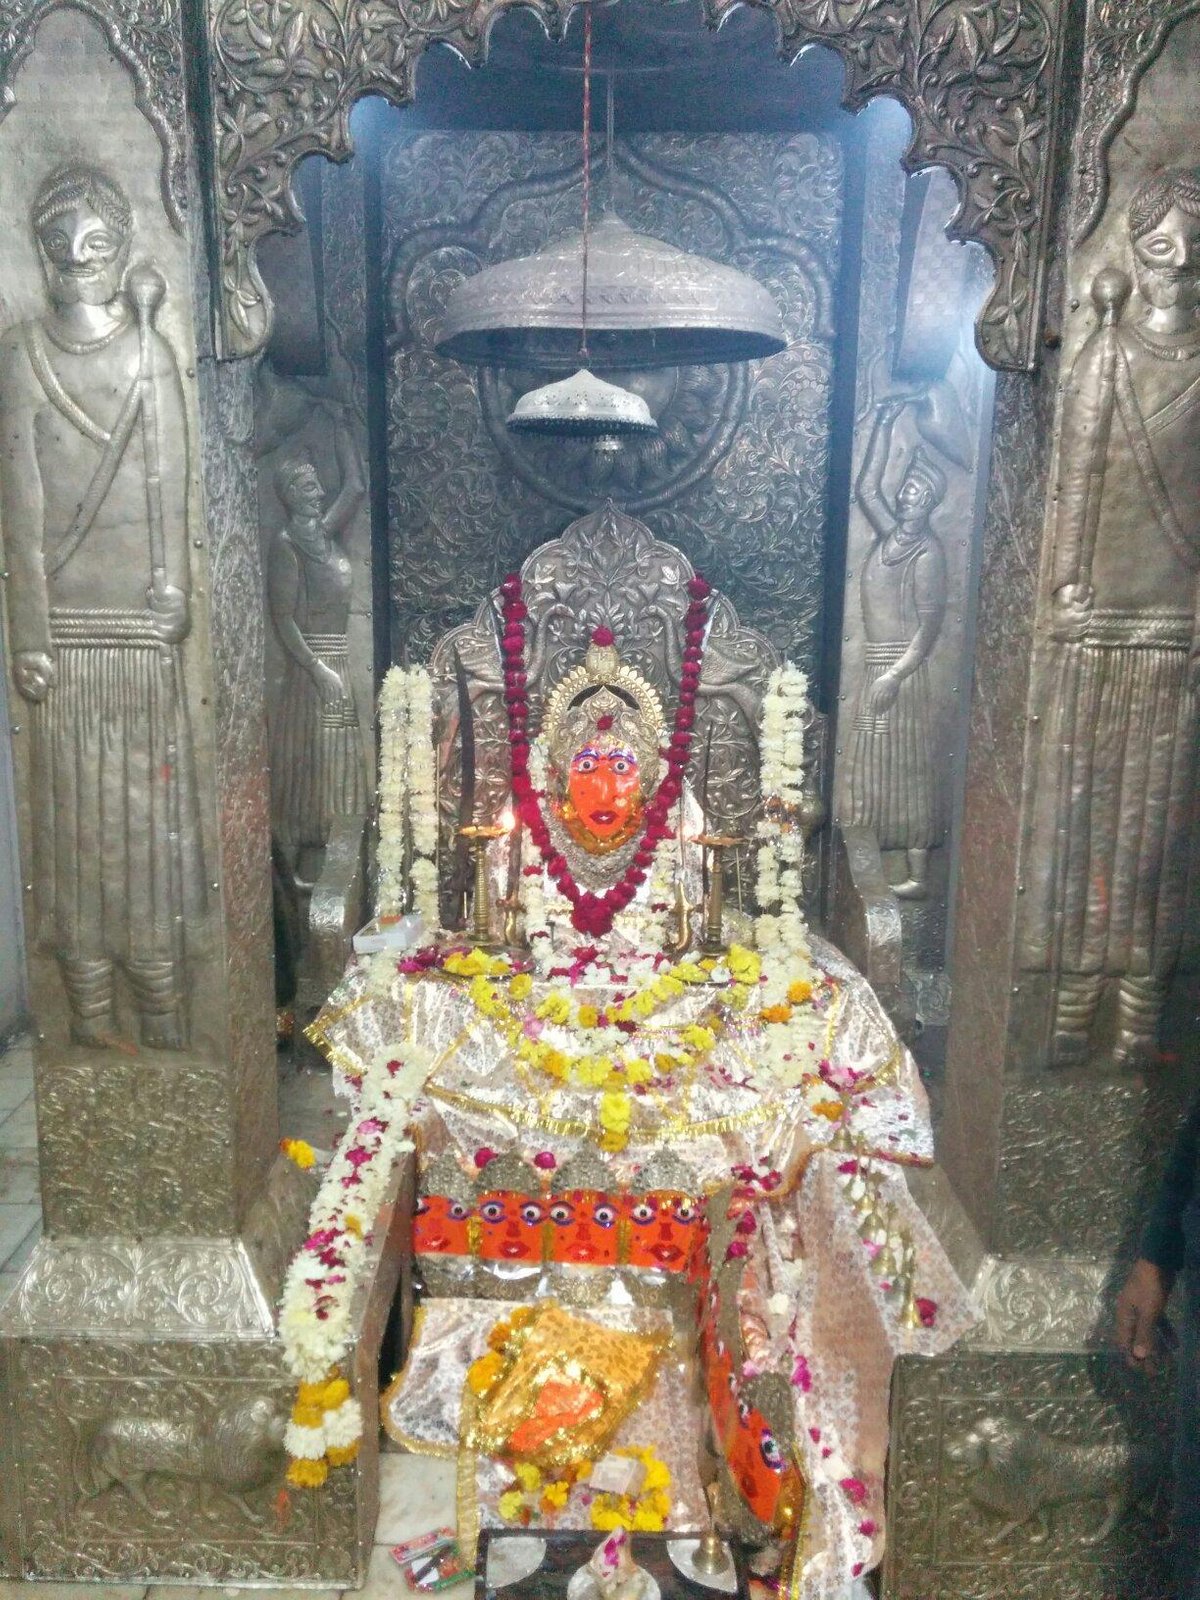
1028, 1461
143, 1398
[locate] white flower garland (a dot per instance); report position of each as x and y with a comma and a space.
780, 931
325, 1274
407, 849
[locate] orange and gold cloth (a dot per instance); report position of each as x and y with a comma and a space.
562, 1387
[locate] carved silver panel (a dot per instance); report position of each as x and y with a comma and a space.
1051, 1303
738, 475
181, 1288
1016, 1477
979, 80
146, 37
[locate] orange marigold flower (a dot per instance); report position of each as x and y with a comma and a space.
305, 1474
341, 1455
482, 1374
829, 1108
799, 992
778, 1013
299, 1151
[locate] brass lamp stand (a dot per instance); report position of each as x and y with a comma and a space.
480, 835
712, 940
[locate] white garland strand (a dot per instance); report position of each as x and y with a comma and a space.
407, 849
780, 931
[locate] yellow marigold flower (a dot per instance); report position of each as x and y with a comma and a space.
528, 1476
553, 1062
521, 987
623, 1012
646, 1521
658, 1474
664, 1063
467, 965
698, 1037
353, 1224
305, 1474
335, 1392
554, 1008
612, 1142
510, 1505
307, 1415
582, 1470
555, 1495
780, 1013
590, 1072
587, 1016
522, 1316
341, 1455
500, 1334
829, 1108
311, 1394
799, 991
499, 966
689, 972
639, 1071
482, 1374
605, 1518
615, 1111
643, 1003
299, 1151
668, 987
743, 964
739, 996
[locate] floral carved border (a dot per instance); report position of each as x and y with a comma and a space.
1123, 39
146, 37
978, 77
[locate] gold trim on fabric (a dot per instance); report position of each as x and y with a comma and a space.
563, 1128
407, 1441
465, 1492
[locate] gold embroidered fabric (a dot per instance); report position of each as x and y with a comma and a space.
569, 1388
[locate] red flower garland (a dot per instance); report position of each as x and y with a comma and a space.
594, 913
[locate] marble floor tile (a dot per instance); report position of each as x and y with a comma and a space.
8, 1282
18, 1257
18, 1130
16, 1222
18, 1178
16, 1084
33, 1589
416, 1493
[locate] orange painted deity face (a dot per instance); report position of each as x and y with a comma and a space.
604, 794
662, 1230
584, 1228
511, 1227
756, 1462
441, 1226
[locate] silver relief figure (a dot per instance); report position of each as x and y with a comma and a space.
317, 768
93, 502
892, 785
1117, 776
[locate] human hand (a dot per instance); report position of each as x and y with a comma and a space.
34, 674
1139, 1308
882, 693
1071, 610
329, 685
171, 612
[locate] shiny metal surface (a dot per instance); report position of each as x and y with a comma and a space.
649, 304
583, 406
981, 87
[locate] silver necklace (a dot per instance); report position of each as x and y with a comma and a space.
1184, 351
84, 347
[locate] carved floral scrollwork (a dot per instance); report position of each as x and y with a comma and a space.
146, 36
977, 76
1124, 37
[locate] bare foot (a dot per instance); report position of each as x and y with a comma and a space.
162, 1030
93, 1033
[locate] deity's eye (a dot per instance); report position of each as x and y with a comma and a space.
770, 1451
492, 1211
623, 764
743, 1411
459, 1212
531, 1213
422, 1205
562, 1212
55, 243
584, 764
642, 1213
684, 1209
604, 1215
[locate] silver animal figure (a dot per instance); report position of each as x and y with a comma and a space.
1020, 1475
233, 1450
